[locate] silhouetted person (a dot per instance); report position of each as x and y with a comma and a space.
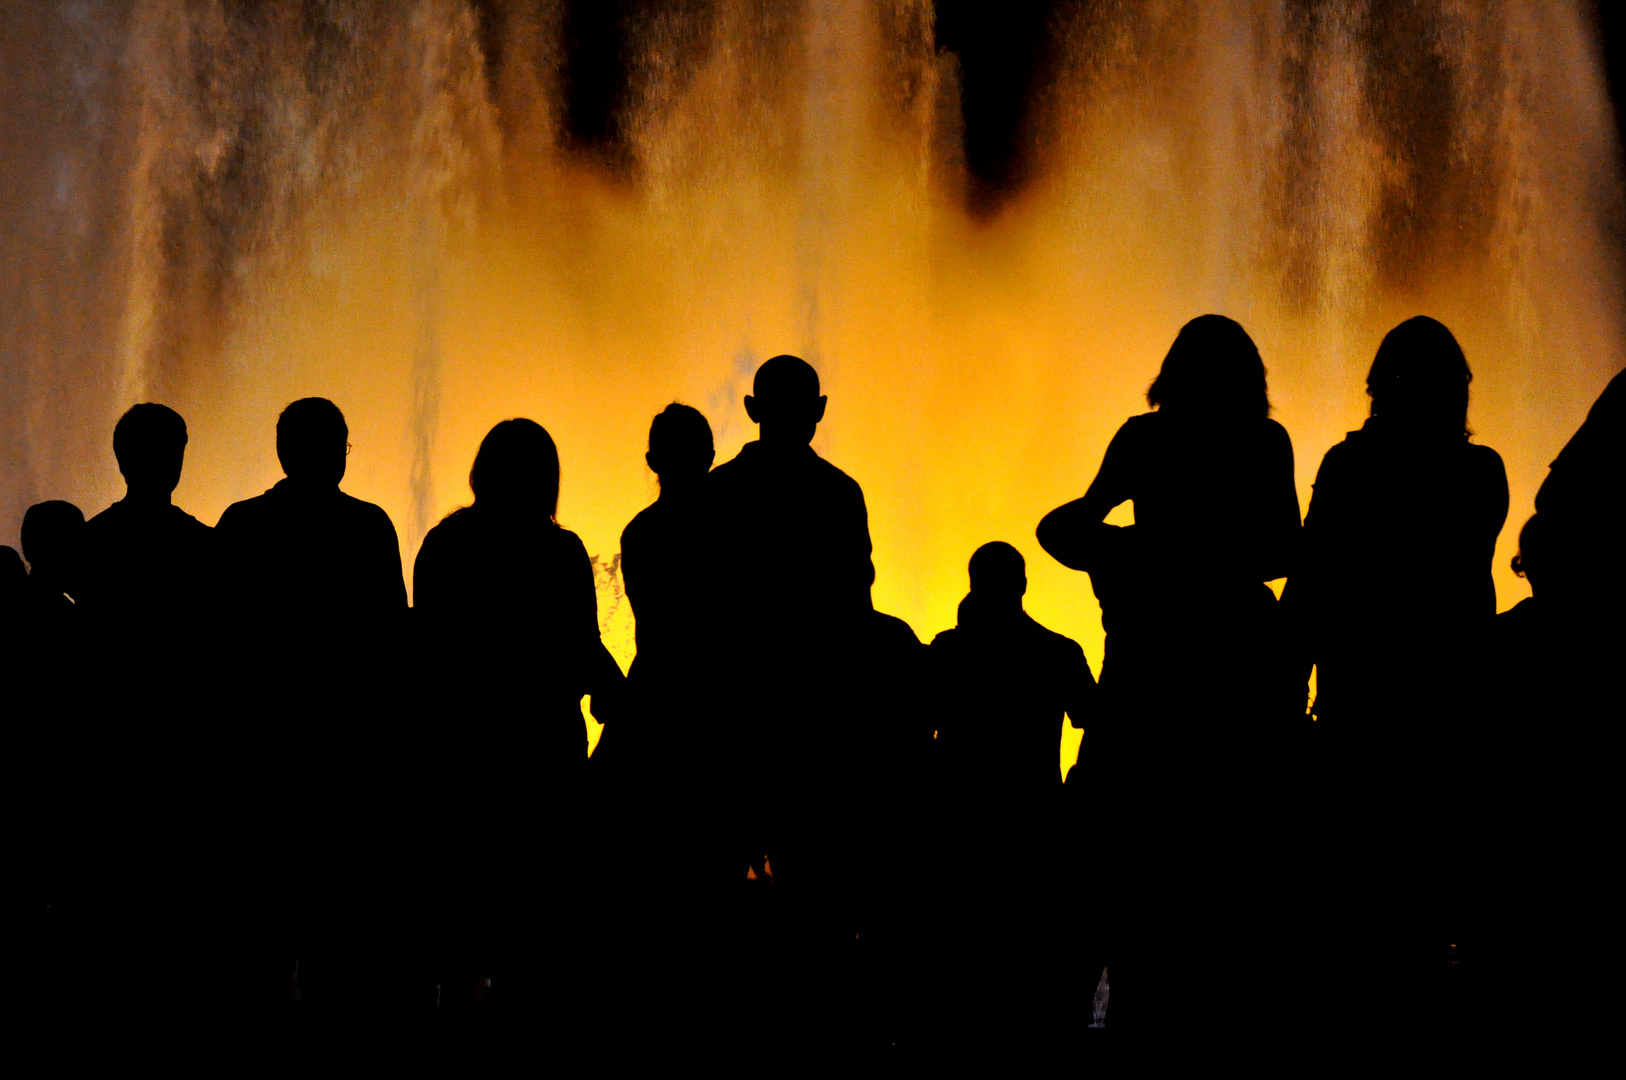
305, 557
791, 551
1553, 673
1193, 699
788, 559
312, 578
1005, 682
505, 599
147, 586
53, 536
56, 805
656, 767
885, 824
661, 565
148, 563
1002, 685
1391, 600
1583, 506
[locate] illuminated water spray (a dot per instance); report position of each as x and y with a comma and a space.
225, 207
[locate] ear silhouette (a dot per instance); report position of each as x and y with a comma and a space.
751, 409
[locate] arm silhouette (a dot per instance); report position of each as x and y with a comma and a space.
1076, 534
1278, 539
1080, 686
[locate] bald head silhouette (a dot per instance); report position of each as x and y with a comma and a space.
786, 402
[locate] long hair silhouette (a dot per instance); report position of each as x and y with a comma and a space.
1213, 368
516, 469
1419, 379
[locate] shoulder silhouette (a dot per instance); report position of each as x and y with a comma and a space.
1210, 476
147, 561
305, 550
1583, 508
1179, 757
1005, 684
791, 530
1400, 530
501, 578
661, 547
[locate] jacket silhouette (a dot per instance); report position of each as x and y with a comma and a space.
311, 580
305, 554
1002, 686
788, 555
149, 565
788, 573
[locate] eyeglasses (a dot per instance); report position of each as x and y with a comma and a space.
346, 449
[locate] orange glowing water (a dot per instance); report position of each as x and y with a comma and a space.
226, 217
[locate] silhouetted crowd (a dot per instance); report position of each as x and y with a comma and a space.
257, 798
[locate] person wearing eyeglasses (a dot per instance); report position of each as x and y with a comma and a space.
315, 603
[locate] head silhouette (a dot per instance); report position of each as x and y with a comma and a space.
1212, 371
1419, 380
52, 533
149, 442
785, 401
312, 441
998, 571
516, 470
681, 449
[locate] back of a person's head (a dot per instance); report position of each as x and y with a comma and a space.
680, 442
1419, 380
149, 442
786, 379
998, 569
517, 469
312, 440
1213, 371
51, 535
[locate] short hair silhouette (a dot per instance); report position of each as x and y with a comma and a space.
149, 442
998, 569
786, 378
311, 440
51, 531
1213, 367
680, 441
1419, 378
517, 466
